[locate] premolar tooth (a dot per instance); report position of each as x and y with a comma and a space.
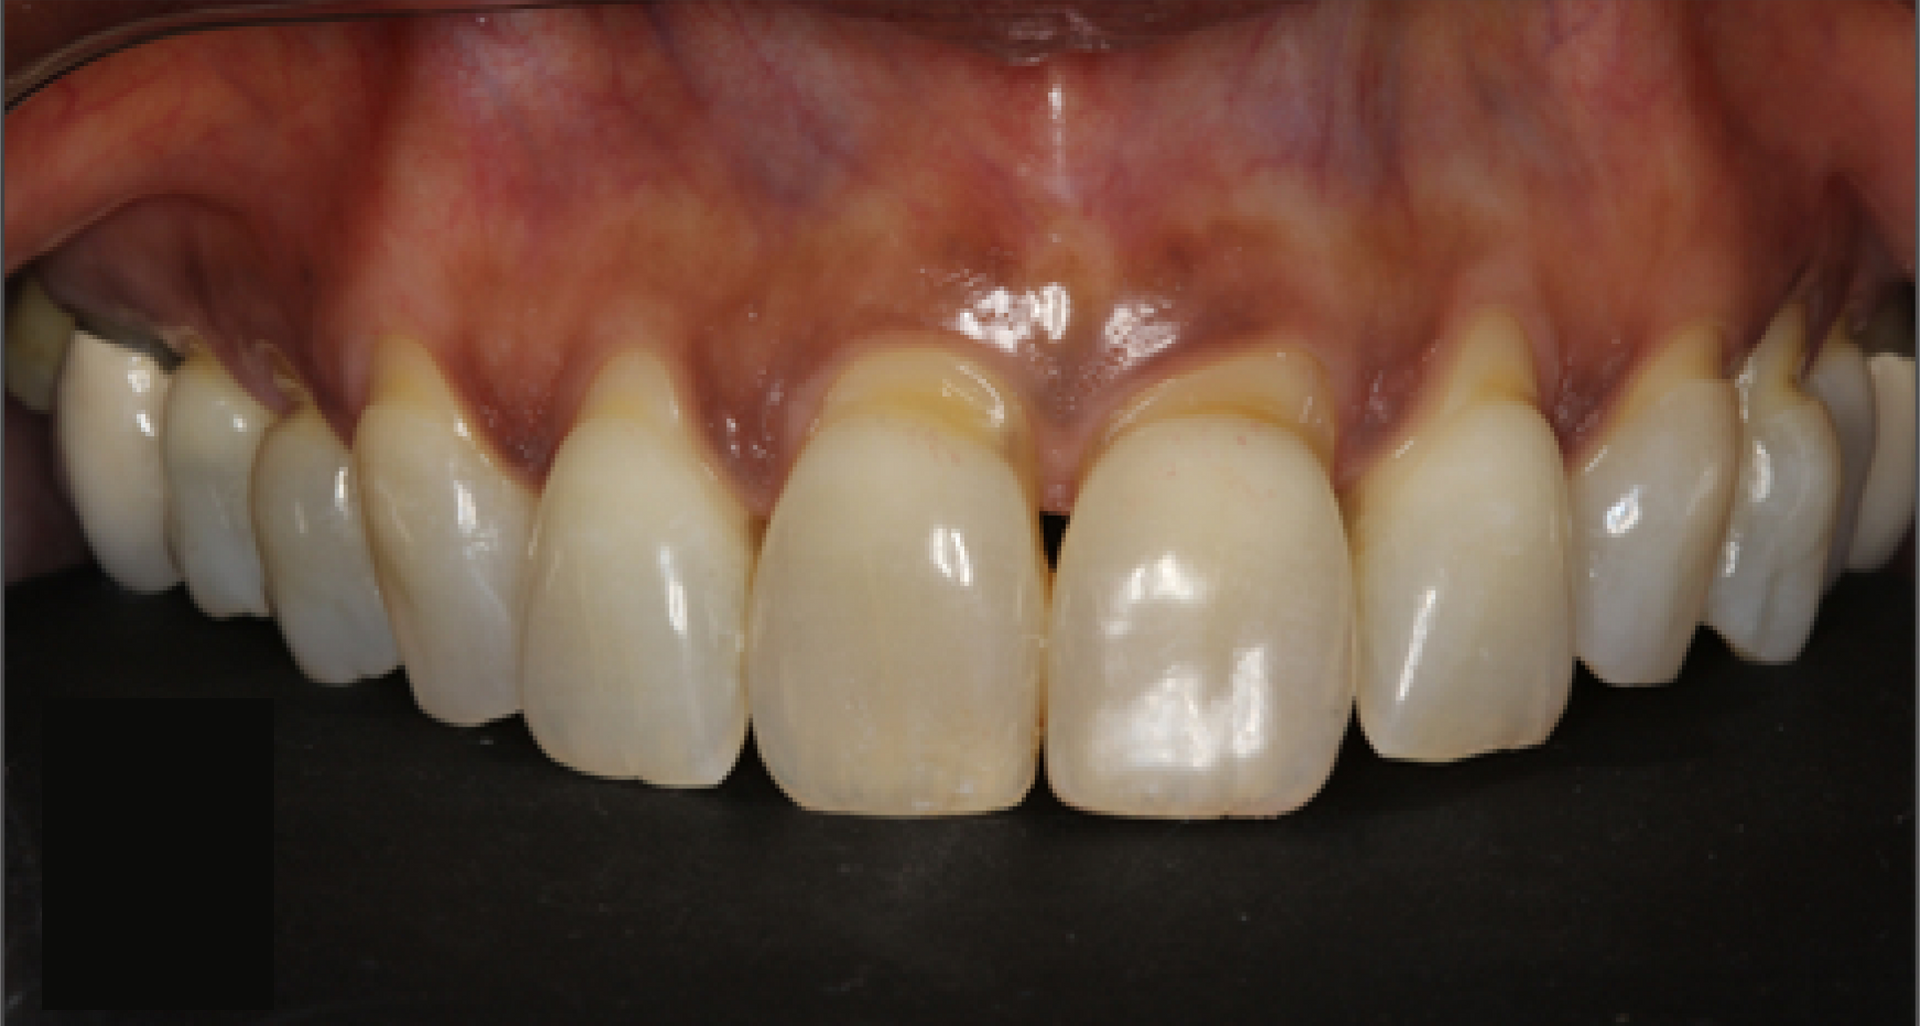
1200, 648
447, 526
1840, 380
37, 335
213, 430
108, 424
1774, 556
1460, 567
1649, 509
1886, 505
636, 604
306, 514
894, 638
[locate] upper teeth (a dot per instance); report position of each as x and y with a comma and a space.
1208, 634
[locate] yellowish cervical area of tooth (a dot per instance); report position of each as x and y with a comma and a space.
37, 334
918, 381
1280, 386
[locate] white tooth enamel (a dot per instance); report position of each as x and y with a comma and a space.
37, 335
447, 526
636, 607
1200, 651
894, 638
1840, 380
213, 429
1649, 509
108, 421
1460, 568
1773, 558
1886, 505
306, 512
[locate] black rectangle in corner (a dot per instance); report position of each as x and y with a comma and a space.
157, 853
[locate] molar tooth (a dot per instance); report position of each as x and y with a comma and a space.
1460, 567
1774, 556
107, 421
319, 575
447, 526
1886, 506
895, 632
1840, 380
213, 430
1649, 509
37, 335
1200, 649
636, 603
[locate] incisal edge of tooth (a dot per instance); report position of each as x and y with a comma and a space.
107, 420
1886, 505
213, 430
319, 574
637, 593
895, 625
1649, 509
37, 335
1201, 640
447, 526
1773, 559
1464, 621
1840, 380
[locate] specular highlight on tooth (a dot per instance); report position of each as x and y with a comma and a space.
37, 335
1886, 503
107, 424
1840, 380
895, 625
1200, 647
213, 430
1773, 559
1649, 508
319, 574
637, 594
447, 526
1464, 621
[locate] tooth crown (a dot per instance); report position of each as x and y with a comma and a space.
1649, 508
1773, 558
110, 407
1460, 542
898, 607
448, 526
636, 601
213, 432
1201, 635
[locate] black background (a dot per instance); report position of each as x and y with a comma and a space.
1735, 848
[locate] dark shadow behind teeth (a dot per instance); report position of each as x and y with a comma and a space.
1738, 847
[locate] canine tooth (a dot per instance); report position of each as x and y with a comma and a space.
1840, 380
107, 421
306, 514
447, 526
37, 335
1774, 556
895, 625
1886, 506
1200, 654
213, 430
636, 607
1649, 509
1460, 567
